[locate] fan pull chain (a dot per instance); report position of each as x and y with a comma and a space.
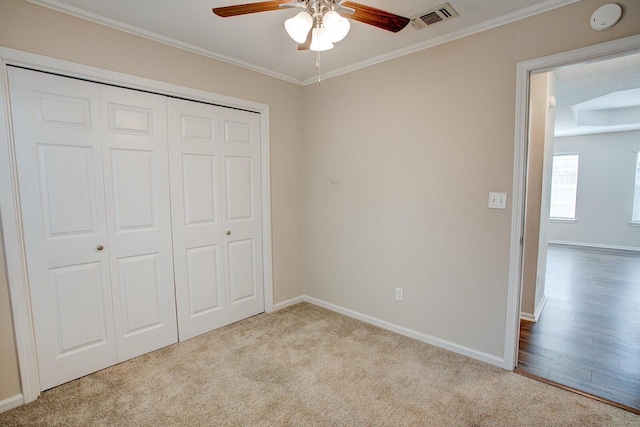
318, 66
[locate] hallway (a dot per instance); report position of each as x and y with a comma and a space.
588, 335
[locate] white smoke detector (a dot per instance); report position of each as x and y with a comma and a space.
606, 16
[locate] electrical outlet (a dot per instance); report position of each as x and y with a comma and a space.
399, 294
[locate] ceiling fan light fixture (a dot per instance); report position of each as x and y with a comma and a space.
320, 40
337, 26
298, 27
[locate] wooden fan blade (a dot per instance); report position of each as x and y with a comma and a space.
243, 9
376, 17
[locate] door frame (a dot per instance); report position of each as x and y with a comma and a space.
602, 51
13, 238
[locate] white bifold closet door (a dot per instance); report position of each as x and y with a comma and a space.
216, 203
93, 179
135, 158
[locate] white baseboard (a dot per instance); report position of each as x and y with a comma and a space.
595, 245
11, 402
287, 303
536, 315
539, 308
528, 317
447, 345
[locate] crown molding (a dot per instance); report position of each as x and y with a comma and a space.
137, 31
436, 41
474, 29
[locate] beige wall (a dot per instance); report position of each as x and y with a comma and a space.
9, 374
31, 28
397, 184
540, 160
545, 203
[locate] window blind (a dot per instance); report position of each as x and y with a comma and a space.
564, 186
636, 193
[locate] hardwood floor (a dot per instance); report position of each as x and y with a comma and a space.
588, 335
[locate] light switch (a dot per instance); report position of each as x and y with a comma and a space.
497, 200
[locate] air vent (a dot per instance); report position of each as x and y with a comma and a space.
433, 16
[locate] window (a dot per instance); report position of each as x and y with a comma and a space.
635, 218
564, 186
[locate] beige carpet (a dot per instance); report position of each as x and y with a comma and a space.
306, 366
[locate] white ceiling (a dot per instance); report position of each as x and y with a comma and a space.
598, 97
259, 41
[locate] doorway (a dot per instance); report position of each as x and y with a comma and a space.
578, 315
619, 48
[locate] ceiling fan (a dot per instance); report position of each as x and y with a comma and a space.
320, 25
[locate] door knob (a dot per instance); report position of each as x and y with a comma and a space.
228, 232
100, 248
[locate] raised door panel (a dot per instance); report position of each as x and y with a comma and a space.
57, 143
127, 119
133, 189
67, 190
200, 189
203, 277
196, 204
62, 111
135, 150
80, 319
242, 278
140, 293
239, 180
242, 192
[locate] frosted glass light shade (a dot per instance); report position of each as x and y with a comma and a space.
320, 40
337, 27
298, 27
